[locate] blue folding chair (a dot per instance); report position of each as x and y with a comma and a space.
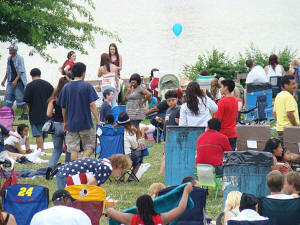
111, 142
115, 111
24, 200
192, 216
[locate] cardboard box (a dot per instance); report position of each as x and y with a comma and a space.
291, 139
252, 137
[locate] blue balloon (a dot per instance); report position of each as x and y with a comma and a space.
177, 29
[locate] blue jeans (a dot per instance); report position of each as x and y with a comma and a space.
58, 138
232, 142
14, 94
114, 101
61, 182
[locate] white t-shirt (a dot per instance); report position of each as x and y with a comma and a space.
206, 109
130, 142
257, 75
276, 72
248, 215
150, 130
60, 215
280, 196
11, 140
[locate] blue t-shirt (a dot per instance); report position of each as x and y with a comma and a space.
76, 97
104, 110
3, 131
153, 102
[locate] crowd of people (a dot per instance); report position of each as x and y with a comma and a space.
72, 106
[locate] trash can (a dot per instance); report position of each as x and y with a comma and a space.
246, 171
180, 150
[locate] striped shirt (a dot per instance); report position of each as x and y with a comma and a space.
109, 80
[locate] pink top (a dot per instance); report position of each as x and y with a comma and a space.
69, 63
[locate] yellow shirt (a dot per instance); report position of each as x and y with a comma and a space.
285, 102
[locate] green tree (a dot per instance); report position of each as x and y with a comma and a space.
55, 23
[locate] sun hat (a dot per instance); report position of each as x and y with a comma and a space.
61, 194
13, 47
123, 118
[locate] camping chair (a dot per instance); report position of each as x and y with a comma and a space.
207, 177
24, 200
163, 203
111, 142
192, 216
90, 199
282, 212
256, 222
115, 111
137, 157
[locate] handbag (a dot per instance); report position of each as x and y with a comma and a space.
49, 127
12, 180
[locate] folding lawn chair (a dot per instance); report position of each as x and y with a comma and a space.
207, 177
24, 200
90, 199
281, 212
115, 111
111, 142
192, 216
137, 159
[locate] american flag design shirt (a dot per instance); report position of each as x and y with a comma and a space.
80, 170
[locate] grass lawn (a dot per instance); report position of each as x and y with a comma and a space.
126, 193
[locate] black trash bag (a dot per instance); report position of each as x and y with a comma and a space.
258, 87
238, 158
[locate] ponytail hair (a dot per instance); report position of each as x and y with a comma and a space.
145, 208
70, 53
193, 91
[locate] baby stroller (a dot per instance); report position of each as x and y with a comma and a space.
167, 82
7, 117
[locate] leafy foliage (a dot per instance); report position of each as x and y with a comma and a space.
40, 23
223, 65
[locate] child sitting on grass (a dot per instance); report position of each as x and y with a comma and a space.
14, 144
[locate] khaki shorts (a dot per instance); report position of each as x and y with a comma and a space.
87, 137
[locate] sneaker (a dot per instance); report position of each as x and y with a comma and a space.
23, 117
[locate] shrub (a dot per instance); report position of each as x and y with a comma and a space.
219, 63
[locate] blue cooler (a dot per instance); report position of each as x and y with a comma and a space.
180, 150
246, 171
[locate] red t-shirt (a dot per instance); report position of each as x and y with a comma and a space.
137, 220
210, 147
227, 111
69, 63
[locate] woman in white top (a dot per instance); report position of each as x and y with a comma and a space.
198, 108
14, 144
274, 69
130, 140
108, 72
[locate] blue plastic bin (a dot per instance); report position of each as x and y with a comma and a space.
180, 150
246, 171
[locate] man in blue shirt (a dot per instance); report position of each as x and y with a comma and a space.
77, 100
16, 81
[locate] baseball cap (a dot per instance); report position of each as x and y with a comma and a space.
13, 47
61, 194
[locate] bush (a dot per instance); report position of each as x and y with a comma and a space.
219, 63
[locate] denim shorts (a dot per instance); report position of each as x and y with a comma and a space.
14, 94
36, 130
